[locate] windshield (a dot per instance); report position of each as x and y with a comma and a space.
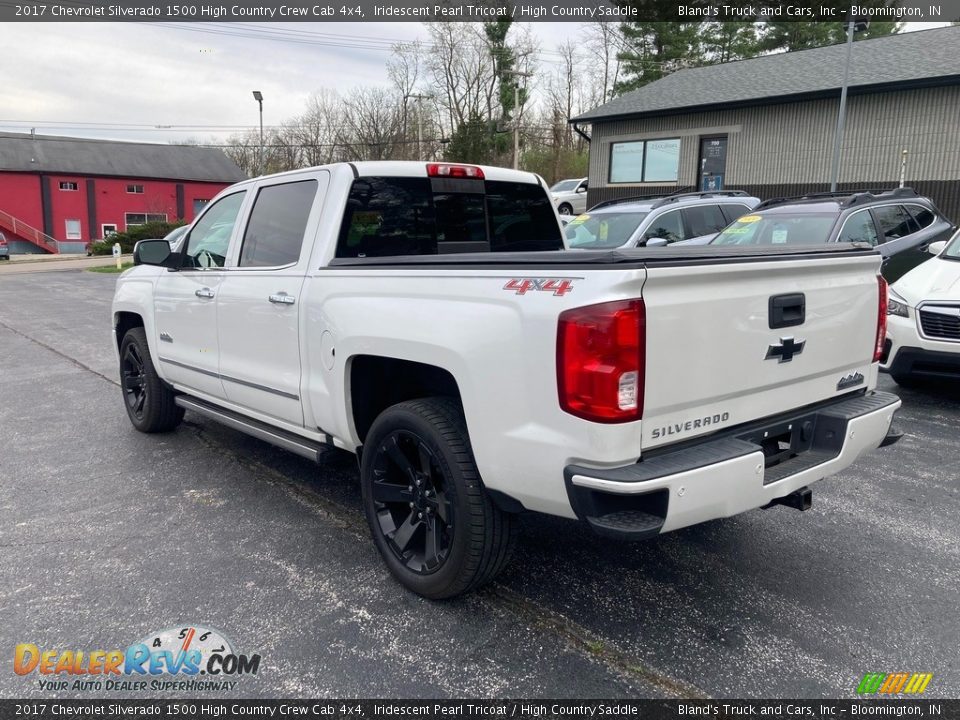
953, 248
606, 230
779, 229
565, 186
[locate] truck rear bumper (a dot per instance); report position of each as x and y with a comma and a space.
738, 471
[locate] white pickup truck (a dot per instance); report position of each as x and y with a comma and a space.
427, 318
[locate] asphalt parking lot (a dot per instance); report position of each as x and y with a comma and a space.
107, 535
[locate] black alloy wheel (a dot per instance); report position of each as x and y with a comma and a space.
410, 497
133, 381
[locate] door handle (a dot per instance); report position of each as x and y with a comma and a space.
282, 298
204, 293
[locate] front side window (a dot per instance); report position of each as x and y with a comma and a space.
668, 226
277, 224
602, 230
859, 227
209, 240
645, 161
895, 222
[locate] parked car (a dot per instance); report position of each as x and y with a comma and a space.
175, 236
479, 370
899, 223
4, 247
652, 222
570, 196
923, 319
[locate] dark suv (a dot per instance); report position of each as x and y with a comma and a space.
899, 223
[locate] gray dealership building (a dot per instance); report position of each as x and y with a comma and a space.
767, 125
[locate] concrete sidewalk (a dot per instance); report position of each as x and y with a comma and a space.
49, 263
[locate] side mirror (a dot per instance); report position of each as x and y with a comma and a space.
152, 252
657, 242
935, 248
582, 189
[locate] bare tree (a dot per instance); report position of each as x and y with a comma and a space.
604, 44
374, 120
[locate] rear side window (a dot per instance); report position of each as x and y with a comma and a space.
923, 216
704, 219
277, 224
894, 221
389, 216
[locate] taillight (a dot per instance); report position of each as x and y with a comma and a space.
601, 351
881, 319
447, 170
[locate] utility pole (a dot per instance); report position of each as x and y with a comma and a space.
258, 96
852, 27
419, 98
516, 114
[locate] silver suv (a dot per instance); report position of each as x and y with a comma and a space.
688, 218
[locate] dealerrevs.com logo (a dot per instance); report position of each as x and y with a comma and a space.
172, 659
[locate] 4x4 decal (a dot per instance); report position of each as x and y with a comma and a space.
557, 286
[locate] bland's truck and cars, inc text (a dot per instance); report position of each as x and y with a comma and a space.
429, 318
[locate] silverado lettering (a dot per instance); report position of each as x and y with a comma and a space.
677, 428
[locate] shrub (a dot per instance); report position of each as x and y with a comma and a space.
133, 235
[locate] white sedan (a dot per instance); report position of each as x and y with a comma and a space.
923, 319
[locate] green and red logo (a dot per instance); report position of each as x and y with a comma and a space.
894, 683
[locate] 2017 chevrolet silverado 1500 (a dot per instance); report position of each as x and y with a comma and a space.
427, 318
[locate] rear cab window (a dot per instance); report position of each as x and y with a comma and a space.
393, 216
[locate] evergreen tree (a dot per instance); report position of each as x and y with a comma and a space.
654, 49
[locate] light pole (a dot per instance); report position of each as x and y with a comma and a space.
419, 99
516, 110
852, 27
258, 96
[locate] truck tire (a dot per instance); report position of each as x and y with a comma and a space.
148, 399
431, 519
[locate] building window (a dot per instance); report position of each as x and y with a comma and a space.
645, 161
73, 229
64, 185
198, 205
108, 230
135, 189
132, 219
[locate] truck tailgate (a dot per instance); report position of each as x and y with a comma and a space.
732, 342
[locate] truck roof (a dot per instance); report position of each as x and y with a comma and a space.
411, 168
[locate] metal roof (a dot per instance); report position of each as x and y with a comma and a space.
20, 152
915, 58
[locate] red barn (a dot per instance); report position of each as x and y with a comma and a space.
57, 193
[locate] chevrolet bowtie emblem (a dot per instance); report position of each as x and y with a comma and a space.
785, 351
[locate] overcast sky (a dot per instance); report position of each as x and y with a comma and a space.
68, 79
58, 76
